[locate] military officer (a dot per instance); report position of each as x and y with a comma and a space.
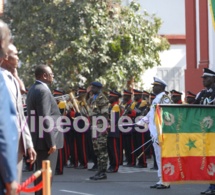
98, 104
128, 142
159, 86
176, 97
207, 97
113, 133
190, 97
139, 107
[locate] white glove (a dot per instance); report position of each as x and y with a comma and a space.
155, 140
141, 123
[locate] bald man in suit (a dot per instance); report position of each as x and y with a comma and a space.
40, 104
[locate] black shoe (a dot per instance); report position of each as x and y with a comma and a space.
70, 166
94, 168
129, 165
111, 170
210, 192
204, 192
154, 186
58, 173
99, 176
154, 168
141, 166
161, 186
81, 167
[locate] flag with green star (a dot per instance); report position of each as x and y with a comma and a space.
187, 140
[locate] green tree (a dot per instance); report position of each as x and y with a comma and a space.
85, 40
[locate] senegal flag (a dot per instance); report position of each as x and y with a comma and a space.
212, 9
187, 140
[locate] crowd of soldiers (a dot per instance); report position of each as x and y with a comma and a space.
78, 147
81, 148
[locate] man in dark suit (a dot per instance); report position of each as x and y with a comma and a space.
42, 107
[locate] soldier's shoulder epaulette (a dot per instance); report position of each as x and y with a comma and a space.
165, 99
116, 108
143, 103
133, 105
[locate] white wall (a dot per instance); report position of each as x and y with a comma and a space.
172, 13
173, 61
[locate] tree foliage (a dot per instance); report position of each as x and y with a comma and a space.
85, 40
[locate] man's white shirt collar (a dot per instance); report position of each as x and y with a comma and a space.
43, 84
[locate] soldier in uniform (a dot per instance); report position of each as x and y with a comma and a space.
190, 97
155, 166
146, 96
81, 137
151, 97
207, 97
128, 142
113, 133
176, 97
61, 152
139, 107
161, 98
98, 104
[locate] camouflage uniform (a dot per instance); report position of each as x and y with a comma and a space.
99, 107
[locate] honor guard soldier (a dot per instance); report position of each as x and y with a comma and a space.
161, 98
155, 166
190, 97
98, 104
61, 152
113, 132
146, 95
151, 97
82, 138
176, 97
207, 97
128, 141
139, 106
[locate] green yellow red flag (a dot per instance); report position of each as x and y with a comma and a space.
212, 9
187, 140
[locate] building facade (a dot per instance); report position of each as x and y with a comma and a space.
188, 25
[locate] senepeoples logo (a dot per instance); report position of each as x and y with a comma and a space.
81, 124
208, 122
169, 118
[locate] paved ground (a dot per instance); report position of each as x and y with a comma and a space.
128, 181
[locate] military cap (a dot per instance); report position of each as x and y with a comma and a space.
190, 94
208, 73
137, 92
57, 92
96, 84
126, 92
81, 90
146, 93
158, 81
175, 93
114, 93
